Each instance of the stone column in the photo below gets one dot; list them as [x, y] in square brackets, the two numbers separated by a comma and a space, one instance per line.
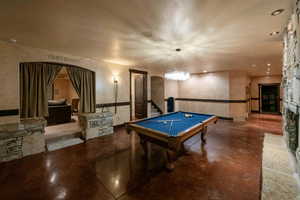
[96, 124]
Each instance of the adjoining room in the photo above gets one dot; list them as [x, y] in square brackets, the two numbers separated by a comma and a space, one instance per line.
[54, 91]
[150, 100]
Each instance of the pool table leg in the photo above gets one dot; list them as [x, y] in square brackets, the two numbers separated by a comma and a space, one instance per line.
[170, 164]
[146, 147]
[203, 134]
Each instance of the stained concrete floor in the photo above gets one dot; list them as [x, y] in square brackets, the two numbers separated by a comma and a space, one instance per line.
[227, 167]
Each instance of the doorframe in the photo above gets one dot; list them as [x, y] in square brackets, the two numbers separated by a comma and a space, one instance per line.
[259, 95]
[145, 74]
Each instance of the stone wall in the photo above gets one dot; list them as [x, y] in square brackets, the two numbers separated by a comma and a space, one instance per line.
[18, 140]
[291, 84]
[96, 124]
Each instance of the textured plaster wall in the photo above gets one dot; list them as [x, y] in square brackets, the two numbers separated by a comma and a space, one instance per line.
[220, 86]
[238, 82]
[205, 86]
[9, 87]
[12, 54]
[255, 81]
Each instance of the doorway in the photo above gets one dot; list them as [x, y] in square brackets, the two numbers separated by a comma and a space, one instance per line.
[157, 96]
[269, 98]
[138, 94]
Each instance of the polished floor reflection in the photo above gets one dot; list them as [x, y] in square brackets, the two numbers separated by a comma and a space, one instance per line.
[227, 167]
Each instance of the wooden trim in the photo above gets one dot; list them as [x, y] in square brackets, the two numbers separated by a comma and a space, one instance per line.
[127, 103]
[259, 96]
[197, 126]
[137, 71]
[139, 120]
[255, 98]
[225, 118]
[130, 95]
[255, 111]
[145, 89]
[119, 126]
[213, 100]
[10, 112]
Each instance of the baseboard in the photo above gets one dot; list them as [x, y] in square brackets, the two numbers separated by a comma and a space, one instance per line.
[225, 118]
[119, 126]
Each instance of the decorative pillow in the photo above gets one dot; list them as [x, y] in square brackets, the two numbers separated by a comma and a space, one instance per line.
[59, 102]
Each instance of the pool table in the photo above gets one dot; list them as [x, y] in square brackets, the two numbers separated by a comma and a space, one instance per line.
[170, 131]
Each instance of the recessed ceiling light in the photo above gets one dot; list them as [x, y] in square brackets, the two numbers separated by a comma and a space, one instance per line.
[269, 64]
[277, 12]
[274, 33]
[178, 49]
[204, 71]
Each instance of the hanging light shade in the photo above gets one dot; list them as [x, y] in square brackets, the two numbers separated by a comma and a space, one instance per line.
[176, 75]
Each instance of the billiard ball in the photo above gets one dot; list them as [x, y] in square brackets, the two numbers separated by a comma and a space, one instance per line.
[188, 115]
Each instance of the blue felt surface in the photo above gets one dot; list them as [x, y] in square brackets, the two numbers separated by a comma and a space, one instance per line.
[180, 123]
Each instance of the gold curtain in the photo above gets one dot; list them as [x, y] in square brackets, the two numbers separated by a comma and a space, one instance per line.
[35, 79]
[84, 83]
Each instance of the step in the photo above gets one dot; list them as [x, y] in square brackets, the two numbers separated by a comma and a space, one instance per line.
[62, 130]
[62, 143]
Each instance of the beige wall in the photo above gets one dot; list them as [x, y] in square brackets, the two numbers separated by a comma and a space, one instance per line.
[171, 90]
[9, 75]
[158, 91]
[205, 86]
[63, 89]
[215, 86]
[255, 81]
[238, 82]
[12, 54]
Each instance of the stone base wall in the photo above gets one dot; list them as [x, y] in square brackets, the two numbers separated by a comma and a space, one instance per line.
[291, 84]
[96, 124]
[18, 140]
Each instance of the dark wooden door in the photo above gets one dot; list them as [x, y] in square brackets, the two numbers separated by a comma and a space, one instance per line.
[270, 98]
[140, 103]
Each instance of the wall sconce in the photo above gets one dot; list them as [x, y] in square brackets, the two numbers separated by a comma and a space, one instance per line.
[115, 92]
[115, 79]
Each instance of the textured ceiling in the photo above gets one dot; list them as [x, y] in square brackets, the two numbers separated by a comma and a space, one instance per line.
[214, 35]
